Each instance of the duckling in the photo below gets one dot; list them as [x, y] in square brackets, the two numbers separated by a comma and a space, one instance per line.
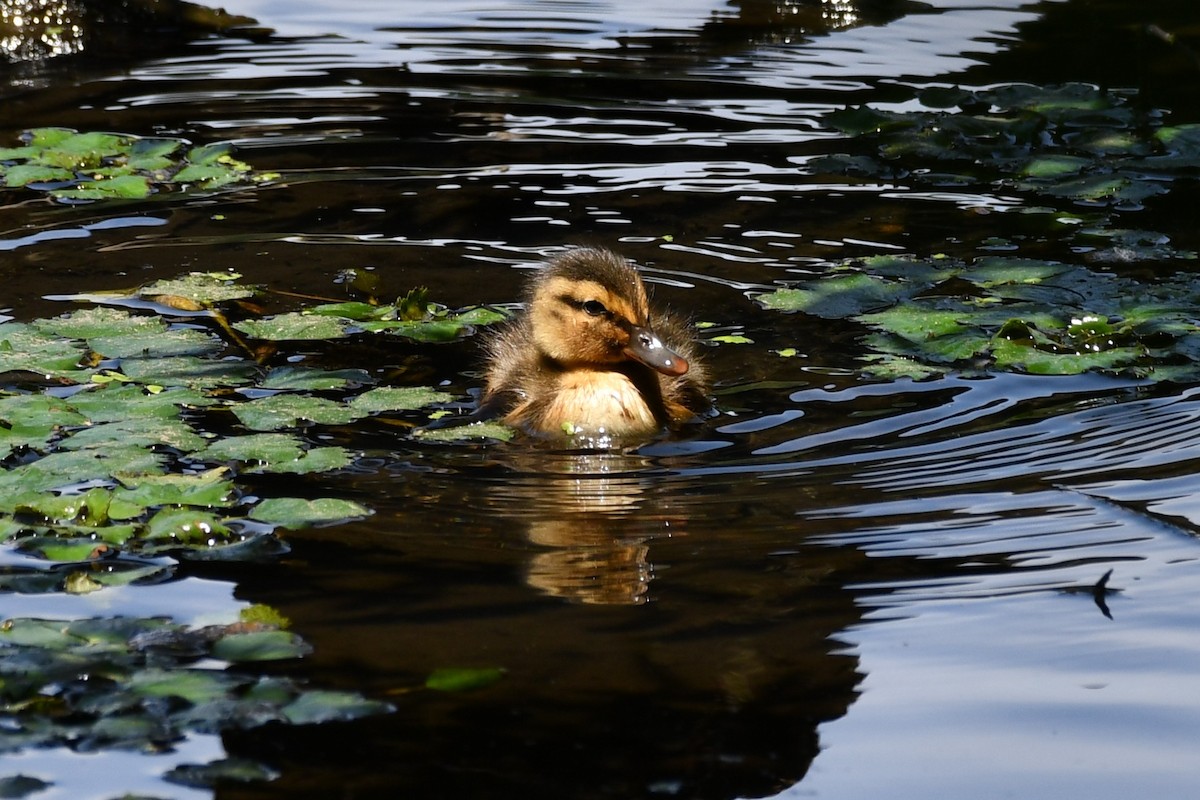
[587, 356]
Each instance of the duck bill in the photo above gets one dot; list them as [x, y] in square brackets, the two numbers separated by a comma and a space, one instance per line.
[646, 348]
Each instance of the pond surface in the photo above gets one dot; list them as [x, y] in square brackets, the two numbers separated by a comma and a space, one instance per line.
[839, 587]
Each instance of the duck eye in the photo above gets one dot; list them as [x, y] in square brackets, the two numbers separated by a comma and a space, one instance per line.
[595, 308]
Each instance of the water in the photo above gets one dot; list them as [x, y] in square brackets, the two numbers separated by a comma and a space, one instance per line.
[837, 588]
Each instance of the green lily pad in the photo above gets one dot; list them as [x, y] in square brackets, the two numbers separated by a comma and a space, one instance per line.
[261, 449]
[125, 187]
[461, 679]
[195, 686]
[91, 166]
[209, 776]
[294, 326]
[190, 371]
[397, 398]
[24, 348]
[140, 432]
[203, 288]
[293, 378]
[187, 526]
[165, 344]
[294, 512]
[325, 706]
[204, 490]
[280, 411]
[27, 174]
[115, 402]
[476, 430]
[837, 296]
[268, 645]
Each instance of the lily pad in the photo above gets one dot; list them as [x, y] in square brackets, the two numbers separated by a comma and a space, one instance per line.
[461, 679]
[397, 398]
[287, 411]
[101, 322]
[88, 166]
[296, 378]
[294, 326]
[325, 706]
[837, 296]
[265, 645]
[24, 348]
[475, 430]
[294, 512]
[202, 288]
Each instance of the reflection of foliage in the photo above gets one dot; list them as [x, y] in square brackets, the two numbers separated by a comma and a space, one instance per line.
[122, 459]
[1042, 317]
[1073, 142]
[74, 166]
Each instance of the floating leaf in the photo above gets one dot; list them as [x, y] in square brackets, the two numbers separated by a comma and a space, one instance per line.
[165, 344]
[318, 459]
[397, 398]
[208, 776]
[187, 526]
[326, 706]
[137, 432]
[190, 371]
[293, 378]
[204, 490]
[204, 288]
[293, 326]
[836, 297]
[260, 614]
[114, 403]
[294, 512]
[270, 645]
[18, 786]
[461, 679]
[126, 187]
[286, 411]
[477, 430]
[24, 348]
[195, 686]
[262, 448]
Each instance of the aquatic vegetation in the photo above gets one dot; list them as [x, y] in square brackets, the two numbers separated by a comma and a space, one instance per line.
[929, 316]
[74, 166]
[126, 435]
[412, 316]
[1076, 143]
[129, 440]
[145, 683]
[1073, 142]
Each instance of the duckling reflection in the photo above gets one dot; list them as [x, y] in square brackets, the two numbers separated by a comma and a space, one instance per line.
[588, 515]
[588, 357]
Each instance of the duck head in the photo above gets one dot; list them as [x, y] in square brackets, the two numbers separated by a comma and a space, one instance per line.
[588, 309]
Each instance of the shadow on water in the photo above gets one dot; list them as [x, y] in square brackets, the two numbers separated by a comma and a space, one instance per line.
[819, 591]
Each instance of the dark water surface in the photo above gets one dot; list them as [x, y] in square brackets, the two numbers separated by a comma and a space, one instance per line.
[838, 588]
